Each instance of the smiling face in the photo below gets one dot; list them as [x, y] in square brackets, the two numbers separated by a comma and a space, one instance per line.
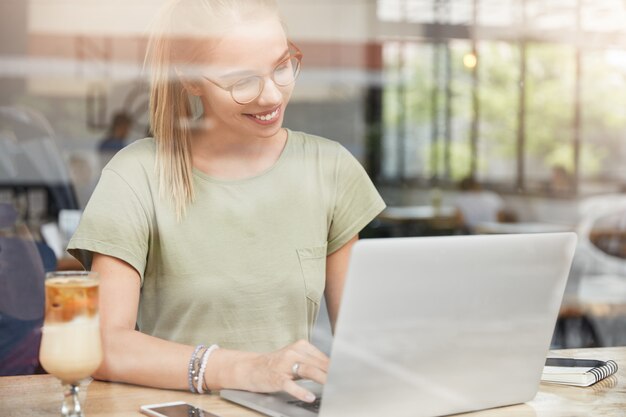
[248, 49]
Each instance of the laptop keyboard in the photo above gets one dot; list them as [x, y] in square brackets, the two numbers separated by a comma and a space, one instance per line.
[314, 406]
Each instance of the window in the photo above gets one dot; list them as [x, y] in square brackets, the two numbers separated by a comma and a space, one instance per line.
[603, 118]
[542, 97]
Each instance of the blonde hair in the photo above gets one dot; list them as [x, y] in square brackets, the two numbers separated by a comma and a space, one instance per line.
[177, 27]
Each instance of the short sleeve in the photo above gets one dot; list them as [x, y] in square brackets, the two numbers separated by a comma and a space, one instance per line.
[114, 223]
[356, 201]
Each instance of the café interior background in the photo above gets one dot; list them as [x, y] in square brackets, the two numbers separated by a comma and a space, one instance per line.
[423, 92]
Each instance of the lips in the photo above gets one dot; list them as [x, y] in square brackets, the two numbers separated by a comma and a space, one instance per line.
[267, 117]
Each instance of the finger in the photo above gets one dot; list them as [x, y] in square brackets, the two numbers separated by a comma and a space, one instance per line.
[304, 360]
[305, 348]
[322, 362]
[314, 373]
[298, 392]
[318, 355]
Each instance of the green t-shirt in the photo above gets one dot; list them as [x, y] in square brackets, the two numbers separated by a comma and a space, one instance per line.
[246, 267]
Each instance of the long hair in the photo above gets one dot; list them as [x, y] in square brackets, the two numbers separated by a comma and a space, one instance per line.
[179, 25]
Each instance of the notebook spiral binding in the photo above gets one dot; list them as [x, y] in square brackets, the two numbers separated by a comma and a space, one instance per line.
[601, 372]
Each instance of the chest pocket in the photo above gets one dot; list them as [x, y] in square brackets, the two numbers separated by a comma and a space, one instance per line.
[313, 264]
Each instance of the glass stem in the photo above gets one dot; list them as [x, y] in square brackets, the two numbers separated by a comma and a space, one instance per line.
[71, 405]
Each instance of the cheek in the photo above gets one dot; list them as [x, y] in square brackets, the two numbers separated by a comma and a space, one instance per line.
[221, 104]
[287, 94]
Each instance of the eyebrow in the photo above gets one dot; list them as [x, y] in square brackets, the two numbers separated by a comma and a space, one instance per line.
[245, 73]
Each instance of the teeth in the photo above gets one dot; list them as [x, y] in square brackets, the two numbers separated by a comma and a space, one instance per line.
[267, 117]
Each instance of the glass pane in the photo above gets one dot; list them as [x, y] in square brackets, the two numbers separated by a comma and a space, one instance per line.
[420, 11]
[550, 72]
[603, 15]
[498, 12]
[425, 11]
[603, 118]
[418, 73]
[551, 15]
[498, 70]
[451, 157]
[390, 10]
[461, 12]
[462, 113]
[418, 108]
[407, 109]
[437, 98]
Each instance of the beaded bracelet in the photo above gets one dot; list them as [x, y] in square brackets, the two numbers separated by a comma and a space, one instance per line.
[195, 372]
[205, 359]
[190, 371]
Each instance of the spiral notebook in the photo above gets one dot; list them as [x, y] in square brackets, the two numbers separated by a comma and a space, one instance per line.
[578, 372]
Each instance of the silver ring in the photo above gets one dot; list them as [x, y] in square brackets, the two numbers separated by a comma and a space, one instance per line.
[294, 370]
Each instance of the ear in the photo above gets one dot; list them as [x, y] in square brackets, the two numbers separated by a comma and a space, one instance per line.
[188, 84]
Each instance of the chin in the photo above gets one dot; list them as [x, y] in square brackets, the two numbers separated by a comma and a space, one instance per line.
[267, 131]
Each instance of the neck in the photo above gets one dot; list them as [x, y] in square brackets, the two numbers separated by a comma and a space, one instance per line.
[231, 156]
[227, 144]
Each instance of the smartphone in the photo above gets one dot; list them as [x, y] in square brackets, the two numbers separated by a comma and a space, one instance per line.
[175, 409]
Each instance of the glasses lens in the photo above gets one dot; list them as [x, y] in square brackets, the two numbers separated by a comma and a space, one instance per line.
[287, 71]
[247, 89]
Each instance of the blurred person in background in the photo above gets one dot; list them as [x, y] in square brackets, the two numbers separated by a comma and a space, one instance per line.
[115, 138]
[561, 182]
[82, 177]
[479, 206]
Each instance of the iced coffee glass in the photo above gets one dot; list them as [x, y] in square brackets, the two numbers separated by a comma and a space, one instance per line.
[70, 343]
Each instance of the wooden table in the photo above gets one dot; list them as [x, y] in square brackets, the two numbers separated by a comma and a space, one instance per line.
[40, 395]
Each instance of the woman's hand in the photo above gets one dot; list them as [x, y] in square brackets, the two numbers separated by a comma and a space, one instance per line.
[271, 372]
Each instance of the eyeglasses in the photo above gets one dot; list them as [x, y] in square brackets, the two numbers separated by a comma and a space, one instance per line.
[285, 73]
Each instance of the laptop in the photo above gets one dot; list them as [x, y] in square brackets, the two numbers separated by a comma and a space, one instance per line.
[436, 326]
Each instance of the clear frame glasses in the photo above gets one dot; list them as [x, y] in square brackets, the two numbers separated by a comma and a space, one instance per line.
[284, 74]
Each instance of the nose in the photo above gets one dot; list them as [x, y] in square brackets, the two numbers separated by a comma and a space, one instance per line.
[270, 94]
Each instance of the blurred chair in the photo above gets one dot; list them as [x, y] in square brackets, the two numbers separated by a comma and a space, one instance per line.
[21, 296]
[35, 186]
[602, 236]
[597, 285]
[30, 160]
[479, 206]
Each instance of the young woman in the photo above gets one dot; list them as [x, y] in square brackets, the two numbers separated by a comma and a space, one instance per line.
[225, 229]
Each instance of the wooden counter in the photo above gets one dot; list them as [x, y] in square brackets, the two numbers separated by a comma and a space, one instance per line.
[40, 395]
